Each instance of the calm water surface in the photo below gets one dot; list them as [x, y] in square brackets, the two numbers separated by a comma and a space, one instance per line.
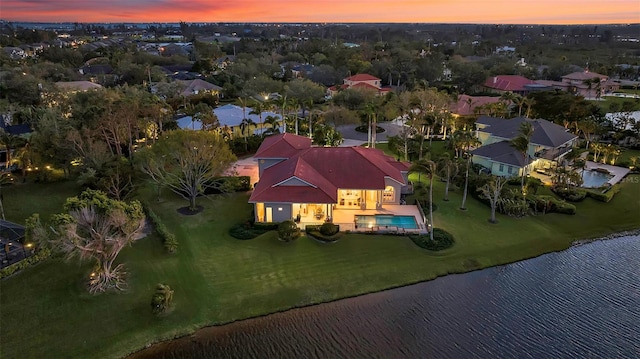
[580, 303]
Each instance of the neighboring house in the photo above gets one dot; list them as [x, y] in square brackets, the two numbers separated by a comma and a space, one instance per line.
[230, 119]
[197, 86]
[224, 61]
[317, 184]
[466, 105]
[360, 81]
[583, 83]
[14, 53]
[77, 86]
[302, 70]
[96, 70]
[548, 144]
[588, 84]
[508, 83]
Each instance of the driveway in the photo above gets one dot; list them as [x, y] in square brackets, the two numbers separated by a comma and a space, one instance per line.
[350, 134]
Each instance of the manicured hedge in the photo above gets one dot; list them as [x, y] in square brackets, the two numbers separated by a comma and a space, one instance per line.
[548, 204]
[169, 239]
[250, 230]
[441, 240]
[327, 232]
[39, 256]
[604, 196]
[570, 194]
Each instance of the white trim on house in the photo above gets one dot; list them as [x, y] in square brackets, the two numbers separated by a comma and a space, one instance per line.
[294, 177]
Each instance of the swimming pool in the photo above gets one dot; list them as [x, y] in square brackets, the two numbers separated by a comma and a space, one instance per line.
[407, 222]
[594, 179]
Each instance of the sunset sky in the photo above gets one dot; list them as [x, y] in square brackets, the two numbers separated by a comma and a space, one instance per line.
[430, 11]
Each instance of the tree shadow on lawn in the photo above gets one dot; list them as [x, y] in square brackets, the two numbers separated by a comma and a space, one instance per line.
[186, 211]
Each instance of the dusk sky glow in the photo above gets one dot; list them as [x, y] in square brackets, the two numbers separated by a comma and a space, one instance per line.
[423, 11]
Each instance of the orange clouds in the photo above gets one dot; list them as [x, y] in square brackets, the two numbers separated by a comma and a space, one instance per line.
[434, 11]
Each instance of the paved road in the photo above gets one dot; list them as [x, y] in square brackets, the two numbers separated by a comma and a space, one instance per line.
[349, 132]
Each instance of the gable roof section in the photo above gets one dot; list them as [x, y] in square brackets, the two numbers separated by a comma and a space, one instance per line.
[501, 152]
[545, 133]
[549, 134]
[362, 77]
[466, 104]
[325, 169]
[283, 145]
[77, 85]
[194, 86]
[584, 75]
[507, 82]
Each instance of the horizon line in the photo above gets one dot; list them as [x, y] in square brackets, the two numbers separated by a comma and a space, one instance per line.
[322, 22]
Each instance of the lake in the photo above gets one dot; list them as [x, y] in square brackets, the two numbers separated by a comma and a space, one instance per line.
[580, 303]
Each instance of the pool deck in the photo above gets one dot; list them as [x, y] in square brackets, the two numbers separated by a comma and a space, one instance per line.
[346, 218]
[617, 172]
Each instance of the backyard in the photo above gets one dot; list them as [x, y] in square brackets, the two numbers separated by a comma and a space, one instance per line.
[46, 312]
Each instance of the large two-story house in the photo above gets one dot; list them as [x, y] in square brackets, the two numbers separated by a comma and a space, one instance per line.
[548, 144]
[361, 81]
[317, 184]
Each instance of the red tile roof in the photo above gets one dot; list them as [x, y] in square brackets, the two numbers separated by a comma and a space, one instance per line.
[283, 145]
[325, 169]
[362, 77]
[466, 104]
[507, 82]
[584, 75]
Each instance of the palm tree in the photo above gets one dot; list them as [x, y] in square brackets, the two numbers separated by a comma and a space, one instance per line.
[295, 105]
[258, 108]
[589, 83]
[11, 142]
[427, 167]
[467, 140]
[521, 144]
[448, 168]
[282, 104]
[246, 125]
[272, 121]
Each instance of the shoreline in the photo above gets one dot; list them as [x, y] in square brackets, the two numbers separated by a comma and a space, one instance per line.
[576, 243]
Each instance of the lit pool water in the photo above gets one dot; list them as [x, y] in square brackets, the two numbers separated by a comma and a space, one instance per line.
[407, 222]
[594, 179]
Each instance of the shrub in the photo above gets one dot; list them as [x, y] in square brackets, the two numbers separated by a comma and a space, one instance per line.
[288, 231]
[604, 195]
[570, 194]
[169, 239]
[162, 299]
[564, 208]
[316, 232]
[250, 230]
[441, 240]
[329, 229]
[548, 204]
[25, 263]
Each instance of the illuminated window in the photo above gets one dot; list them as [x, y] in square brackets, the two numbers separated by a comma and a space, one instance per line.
[389, 194]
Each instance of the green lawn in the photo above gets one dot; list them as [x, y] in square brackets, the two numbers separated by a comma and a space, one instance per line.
[606, 101]
[45, 311]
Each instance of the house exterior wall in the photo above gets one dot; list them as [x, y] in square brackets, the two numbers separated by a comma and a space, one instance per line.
[502, 169]
[375, 83]
[397, 189]
[279, 211]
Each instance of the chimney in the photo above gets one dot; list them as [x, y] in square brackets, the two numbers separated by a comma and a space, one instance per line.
[495, 79]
